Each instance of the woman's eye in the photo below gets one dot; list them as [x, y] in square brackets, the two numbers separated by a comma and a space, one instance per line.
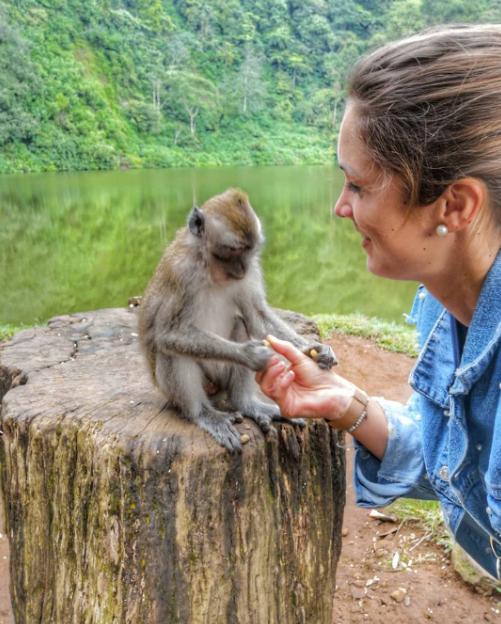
[354, 188]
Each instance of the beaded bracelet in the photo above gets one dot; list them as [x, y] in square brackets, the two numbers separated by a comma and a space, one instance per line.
[358, 422]
[355, 417]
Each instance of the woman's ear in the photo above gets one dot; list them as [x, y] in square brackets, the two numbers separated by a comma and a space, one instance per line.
[461, 203]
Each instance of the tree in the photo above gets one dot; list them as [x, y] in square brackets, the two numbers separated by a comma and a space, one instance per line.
[321, 107]
[404, 17]
[179, 49]
[249, 85]
[193, 94]
[19, 86]
[352, 16]
[200, 15]
[446, 11]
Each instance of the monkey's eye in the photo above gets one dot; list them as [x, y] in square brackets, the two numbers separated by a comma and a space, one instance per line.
[236, 250]
[220, 258]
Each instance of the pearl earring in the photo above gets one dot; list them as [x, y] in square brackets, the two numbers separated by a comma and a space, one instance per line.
[442, 230]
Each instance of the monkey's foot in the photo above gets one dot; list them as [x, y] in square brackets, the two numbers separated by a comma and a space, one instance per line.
[219, 425]
[261, 413]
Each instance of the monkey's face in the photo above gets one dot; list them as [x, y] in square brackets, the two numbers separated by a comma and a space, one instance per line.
[229, 262]
[231, 248]
[229, 235]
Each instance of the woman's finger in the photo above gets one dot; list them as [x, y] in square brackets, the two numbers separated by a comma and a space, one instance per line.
[270, 375]
[278, 390]
[287, 349]
[262, 373]
[286, 379]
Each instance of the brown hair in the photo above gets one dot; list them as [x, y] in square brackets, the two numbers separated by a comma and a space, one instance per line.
[430, 109]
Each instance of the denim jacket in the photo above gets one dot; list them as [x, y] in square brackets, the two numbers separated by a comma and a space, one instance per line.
[445, 443]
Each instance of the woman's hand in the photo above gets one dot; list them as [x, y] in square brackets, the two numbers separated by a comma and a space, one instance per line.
[300, 387]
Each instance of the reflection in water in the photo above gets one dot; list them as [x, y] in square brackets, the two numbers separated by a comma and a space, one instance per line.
[75, 242]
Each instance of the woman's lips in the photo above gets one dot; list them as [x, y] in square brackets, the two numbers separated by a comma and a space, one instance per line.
[365, 239]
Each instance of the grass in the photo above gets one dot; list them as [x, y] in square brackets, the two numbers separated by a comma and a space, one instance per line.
[7, 331]
[427, 514]
[389, 335]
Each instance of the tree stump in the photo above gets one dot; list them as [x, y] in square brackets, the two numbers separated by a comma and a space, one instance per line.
[119, 511]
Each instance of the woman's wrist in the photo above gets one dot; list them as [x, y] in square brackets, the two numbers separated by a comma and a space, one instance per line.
[373, 432]
[365, 419]
[356, 413]
[353, 414]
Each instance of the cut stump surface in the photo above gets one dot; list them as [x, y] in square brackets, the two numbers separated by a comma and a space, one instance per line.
[119, 511]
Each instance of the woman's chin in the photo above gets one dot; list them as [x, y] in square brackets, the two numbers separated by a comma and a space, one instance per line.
[373, 268]
[380, 269]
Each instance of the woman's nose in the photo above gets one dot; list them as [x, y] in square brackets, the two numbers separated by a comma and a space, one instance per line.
[342, 208]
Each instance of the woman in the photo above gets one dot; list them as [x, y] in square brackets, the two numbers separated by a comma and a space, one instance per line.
[420, 148]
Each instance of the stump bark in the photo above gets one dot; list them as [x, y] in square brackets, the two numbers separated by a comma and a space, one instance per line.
[119, 511]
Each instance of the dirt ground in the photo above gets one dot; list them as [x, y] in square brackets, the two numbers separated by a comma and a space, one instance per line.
[373, 583]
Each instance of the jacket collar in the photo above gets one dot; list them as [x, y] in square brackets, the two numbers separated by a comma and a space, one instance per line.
[437, 371]
[434, 370]
[484, 333]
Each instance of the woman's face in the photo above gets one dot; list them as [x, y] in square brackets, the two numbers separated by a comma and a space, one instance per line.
[398, 241]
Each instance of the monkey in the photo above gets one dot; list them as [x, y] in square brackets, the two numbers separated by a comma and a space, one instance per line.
[204, 315]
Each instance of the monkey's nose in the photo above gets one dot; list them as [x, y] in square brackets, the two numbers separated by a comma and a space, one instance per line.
[237, 275]
[237, 271]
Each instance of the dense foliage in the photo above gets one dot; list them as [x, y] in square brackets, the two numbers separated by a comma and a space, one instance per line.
[128, 83]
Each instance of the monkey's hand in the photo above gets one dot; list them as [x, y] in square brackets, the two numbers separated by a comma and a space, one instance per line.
[322, 354]
[256, 355]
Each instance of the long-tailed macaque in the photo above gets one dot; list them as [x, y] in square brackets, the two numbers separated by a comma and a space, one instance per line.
[204, 316]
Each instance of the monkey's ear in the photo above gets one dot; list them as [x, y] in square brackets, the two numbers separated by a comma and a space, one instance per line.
[196, 221]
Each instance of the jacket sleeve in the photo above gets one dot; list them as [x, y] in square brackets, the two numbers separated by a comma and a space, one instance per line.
[401, 472]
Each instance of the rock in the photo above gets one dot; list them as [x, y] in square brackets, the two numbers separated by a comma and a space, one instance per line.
[358, 583]
[357, 592]
[133, 302]
[395, 560]
[399, 594]
[375, 514]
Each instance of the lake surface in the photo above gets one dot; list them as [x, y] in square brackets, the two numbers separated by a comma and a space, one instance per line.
[79, 241]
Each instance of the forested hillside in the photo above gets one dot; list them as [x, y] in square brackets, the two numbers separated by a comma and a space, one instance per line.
[155, 83]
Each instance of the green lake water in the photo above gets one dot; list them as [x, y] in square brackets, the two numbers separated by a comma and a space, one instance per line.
[79, 241]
